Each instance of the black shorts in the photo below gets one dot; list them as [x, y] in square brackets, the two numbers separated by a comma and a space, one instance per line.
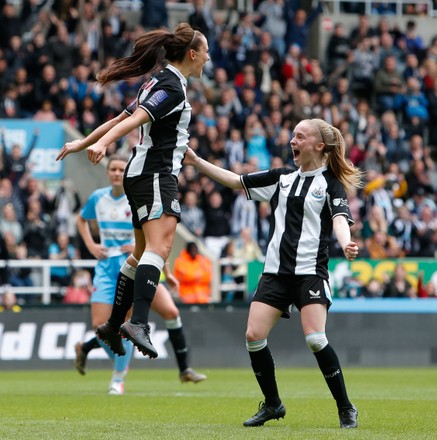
[152, 195]
[283, 291]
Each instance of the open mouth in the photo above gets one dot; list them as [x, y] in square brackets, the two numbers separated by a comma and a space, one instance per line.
[296, 153]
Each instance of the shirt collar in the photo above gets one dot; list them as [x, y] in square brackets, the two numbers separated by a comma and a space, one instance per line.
[312, 173]
[178, 74]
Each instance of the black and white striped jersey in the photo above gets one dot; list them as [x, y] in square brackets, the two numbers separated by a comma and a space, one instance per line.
[164, 141]
[303, 205]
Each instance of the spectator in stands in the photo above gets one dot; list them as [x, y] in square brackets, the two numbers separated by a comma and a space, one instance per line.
[193, 272]
[192, 216]
[10, 24]
[217, 221]
[62, 249]
[80, 289]
[426, 232]
[414, 41]
[263, 225]
[45, 113]
[373, 289]
[374, 222]
[244, 216]
[362, 64]
[9, 302]
[21, 276]
[381, 246]
[414, 107]
[404, 230]
[65, 206]
[10, 104]
[9, 194]
[299, 24]
[337, 50]
[397, 150]
[361, 31]
[247, 250]
[432, 108]
[388, 86]
[398, 286]
[37, 230]
[10, 224]
[16, 159]
[154, 14]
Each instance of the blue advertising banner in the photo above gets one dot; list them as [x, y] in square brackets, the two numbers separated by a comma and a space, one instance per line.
[49, 140]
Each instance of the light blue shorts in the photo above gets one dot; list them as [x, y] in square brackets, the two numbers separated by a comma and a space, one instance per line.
[105, 279]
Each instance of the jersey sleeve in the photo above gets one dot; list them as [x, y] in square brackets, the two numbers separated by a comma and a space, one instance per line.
[131, 107]
[338, 201]
[162, 101]
[261, 185]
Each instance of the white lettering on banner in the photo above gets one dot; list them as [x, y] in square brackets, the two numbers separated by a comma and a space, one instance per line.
[57, 341]
[18, 345]
[50, 334]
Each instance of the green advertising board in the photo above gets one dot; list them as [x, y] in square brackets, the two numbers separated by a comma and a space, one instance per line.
[362, 269]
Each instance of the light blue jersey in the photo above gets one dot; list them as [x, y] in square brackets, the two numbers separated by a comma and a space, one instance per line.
[114, 219]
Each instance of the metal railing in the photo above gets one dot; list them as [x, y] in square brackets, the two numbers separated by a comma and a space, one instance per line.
[45, 288]
[335, 6]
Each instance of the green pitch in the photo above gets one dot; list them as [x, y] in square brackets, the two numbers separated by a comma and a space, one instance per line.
[52, 405]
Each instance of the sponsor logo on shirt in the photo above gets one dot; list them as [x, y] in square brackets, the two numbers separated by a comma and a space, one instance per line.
[157, 98]
[339, 202]
[175, 206]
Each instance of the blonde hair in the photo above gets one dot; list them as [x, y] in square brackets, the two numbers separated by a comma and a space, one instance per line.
[349, 175]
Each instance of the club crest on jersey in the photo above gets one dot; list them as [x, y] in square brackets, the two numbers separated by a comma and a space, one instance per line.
[318, 193]
[339, 202]
[175, 206]
[157, 98]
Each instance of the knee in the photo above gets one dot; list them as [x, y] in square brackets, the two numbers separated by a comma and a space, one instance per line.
[316, 341]
[170, 313]
[253, 335]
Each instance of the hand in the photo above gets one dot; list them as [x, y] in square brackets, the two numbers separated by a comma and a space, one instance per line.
[190, 157]
[69, 147]
[351, 251]
[98, 251]
[96, 153]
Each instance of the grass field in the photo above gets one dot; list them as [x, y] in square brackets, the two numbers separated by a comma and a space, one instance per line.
[52, 405]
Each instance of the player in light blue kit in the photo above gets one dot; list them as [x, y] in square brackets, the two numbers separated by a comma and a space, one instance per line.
[109, 207]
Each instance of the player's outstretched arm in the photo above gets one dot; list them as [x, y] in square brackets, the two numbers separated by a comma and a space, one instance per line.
[80, 144]
[225, 177]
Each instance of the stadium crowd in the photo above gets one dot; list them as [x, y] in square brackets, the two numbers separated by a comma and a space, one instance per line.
[378, 85]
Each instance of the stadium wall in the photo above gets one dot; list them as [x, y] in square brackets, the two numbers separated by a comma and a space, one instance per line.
[369, 333]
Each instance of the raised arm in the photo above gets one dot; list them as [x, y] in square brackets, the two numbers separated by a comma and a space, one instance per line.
[225, 177]
[97, 151]
[80, 144]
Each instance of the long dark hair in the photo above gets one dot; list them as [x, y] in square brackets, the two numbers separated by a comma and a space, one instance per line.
[151, 50]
